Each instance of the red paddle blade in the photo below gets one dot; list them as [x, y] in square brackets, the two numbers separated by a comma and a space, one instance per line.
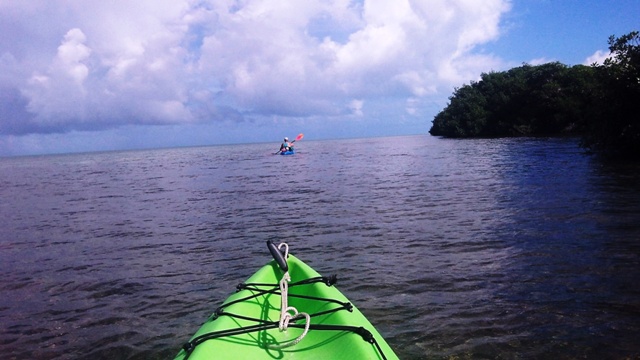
[299, 137]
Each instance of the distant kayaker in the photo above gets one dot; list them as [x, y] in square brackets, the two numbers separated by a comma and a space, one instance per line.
[286, 148]
[286, 145]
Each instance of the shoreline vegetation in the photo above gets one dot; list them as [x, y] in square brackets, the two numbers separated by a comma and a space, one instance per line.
[599, 103]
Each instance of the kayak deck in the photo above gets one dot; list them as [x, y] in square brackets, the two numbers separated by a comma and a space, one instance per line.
[246, 325]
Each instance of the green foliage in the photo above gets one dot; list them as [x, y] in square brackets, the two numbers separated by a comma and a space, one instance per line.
[600, 102]
[614, 125]
[527, 100]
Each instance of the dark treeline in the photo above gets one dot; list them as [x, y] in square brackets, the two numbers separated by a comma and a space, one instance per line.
[601, 103]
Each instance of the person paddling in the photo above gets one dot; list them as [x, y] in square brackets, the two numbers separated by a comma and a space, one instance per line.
[288, 146]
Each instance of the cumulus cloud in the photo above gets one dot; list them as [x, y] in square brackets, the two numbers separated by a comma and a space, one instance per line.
[95, 64]
[60, 92]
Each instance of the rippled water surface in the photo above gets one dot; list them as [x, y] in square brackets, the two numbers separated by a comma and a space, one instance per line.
[518, 248]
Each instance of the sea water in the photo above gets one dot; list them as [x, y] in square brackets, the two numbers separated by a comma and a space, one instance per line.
[493, 248]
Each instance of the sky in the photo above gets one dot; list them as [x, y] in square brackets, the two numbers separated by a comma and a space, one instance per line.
[95, 75]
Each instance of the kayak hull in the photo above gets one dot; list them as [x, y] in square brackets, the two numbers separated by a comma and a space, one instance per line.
[290, 152]
[321, 340]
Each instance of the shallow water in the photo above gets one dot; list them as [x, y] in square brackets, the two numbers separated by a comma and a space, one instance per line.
[514, 248]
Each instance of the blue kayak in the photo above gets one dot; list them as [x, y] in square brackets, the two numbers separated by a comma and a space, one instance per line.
[290, 152]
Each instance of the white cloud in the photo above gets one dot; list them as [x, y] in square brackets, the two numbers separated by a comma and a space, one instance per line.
[539, 61]
[103, 64]
[60, 92]
[598, 57]
[411, 107]
[71, 55]
[356, 107]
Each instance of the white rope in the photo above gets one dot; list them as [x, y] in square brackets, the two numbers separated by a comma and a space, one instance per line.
[287, 313]
[286, 250]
